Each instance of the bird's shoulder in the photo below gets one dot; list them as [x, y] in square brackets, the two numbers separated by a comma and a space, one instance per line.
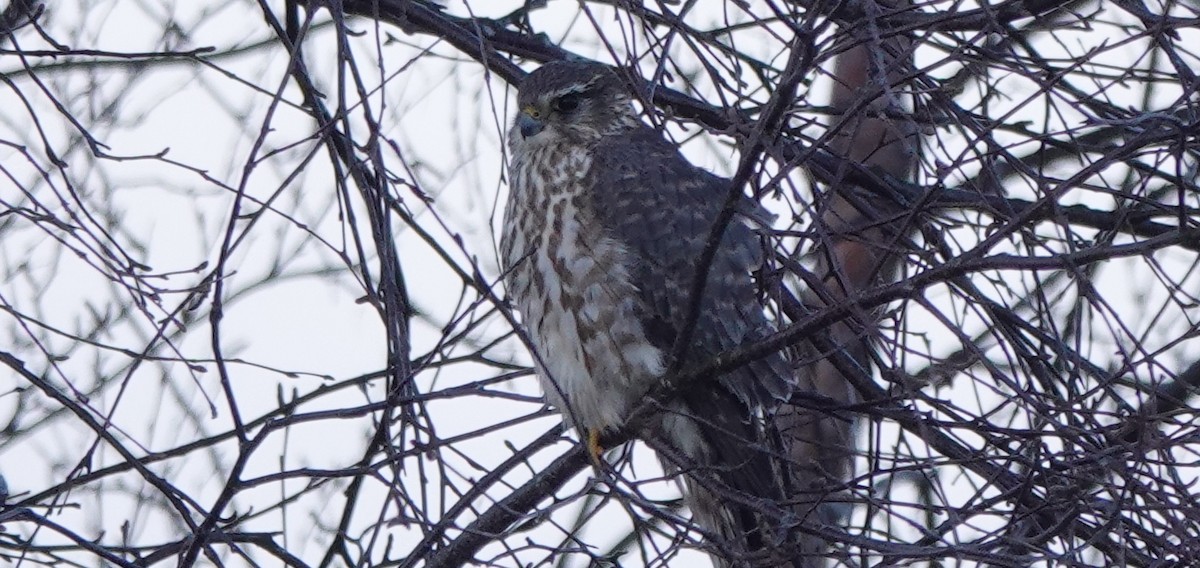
[640, 182]
[643, 189]
[642, 157]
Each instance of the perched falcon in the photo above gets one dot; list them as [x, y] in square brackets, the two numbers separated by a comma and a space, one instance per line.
[602, 238]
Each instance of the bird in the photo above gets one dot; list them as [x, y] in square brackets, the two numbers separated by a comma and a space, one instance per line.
[601, 243]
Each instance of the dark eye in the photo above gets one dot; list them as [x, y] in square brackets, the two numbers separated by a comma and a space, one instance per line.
[567, 103]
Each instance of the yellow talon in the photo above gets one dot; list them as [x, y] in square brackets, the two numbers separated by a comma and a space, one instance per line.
[594, 449]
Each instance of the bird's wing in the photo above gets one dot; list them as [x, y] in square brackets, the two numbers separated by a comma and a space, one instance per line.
[662, 209]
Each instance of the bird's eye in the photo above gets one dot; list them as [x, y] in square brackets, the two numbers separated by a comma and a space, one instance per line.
[567, 103]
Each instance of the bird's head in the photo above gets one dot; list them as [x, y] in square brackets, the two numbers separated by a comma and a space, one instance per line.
[571, 101]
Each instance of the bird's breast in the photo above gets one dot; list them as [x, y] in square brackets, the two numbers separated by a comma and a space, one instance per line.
[572, 284]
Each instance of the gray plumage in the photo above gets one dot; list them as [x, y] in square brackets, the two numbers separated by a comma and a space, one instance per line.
[604, 229]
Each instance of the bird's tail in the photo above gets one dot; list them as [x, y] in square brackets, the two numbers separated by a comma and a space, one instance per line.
[736, 482]
[760, 485]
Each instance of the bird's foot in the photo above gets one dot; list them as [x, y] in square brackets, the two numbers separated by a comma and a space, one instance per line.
[594, 449]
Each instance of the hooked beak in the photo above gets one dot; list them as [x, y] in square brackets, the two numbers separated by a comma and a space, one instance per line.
[529, 125]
